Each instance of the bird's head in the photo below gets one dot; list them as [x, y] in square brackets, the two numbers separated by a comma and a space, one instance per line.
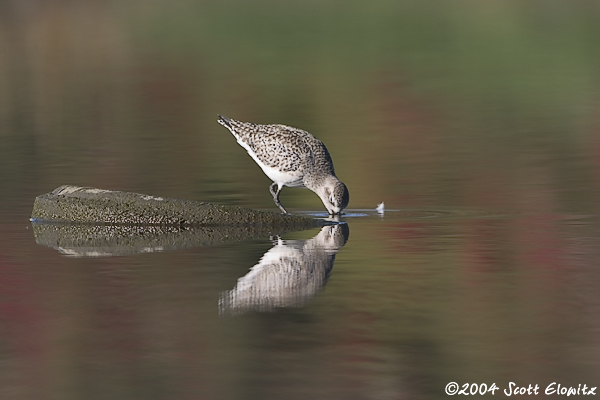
[334, 195]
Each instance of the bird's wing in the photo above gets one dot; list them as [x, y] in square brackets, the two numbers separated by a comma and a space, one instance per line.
[279, 146]
[276, 146]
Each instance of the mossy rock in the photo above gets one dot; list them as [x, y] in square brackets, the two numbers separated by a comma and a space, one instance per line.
[74, 204]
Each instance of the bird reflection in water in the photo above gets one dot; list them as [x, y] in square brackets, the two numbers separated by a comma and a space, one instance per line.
[288, 275]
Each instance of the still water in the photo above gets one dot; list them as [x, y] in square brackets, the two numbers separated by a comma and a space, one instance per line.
[477, 125]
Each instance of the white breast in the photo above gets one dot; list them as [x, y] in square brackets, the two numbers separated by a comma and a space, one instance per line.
[287, 178]
[292, 179]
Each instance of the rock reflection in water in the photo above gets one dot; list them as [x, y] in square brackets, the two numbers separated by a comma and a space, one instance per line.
[289, 274]
[87, 240]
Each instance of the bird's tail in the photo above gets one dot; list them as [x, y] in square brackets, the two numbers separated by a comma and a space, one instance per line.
[239, 129]
[226, 122]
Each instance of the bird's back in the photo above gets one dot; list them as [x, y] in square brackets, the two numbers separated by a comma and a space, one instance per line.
[282, 147]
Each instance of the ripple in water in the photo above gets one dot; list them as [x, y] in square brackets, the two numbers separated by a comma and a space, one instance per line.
[410, 214]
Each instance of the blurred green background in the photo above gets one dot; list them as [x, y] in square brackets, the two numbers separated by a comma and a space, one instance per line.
[420, 103]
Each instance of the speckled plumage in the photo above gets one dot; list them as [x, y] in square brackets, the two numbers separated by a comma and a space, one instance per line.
[291, 157]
